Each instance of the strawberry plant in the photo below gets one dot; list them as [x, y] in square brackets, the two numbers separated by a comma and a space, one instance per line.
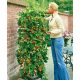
[32, 44]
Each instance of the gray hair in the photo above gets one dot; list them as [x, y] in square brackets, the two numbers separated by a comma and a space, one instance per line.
[53, 5]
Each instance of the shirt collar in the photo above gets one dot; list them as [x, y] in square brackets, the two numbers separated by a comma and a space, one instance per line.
[54, 14]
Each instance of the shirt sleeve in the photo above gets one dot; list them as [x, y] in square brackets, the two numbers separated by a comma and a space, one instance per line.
[60, 26]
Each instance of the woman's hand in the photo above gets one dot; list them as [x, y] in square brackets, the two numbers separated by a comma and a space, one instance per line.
[49, 33]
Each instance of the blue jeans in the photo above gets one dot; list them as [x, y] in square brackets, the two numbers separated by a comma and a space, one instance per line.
[60, 71]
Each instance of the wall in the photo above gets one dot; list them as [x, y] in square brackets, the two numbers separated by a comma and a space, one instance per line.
[12, 10]
[70, 24]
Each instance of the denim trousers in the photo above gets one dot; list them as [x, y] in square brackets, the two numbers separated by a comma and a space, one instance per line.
[60, 70]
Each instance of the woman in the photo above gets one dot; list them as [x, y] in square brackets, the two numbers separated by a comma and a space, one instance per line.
[56, 30]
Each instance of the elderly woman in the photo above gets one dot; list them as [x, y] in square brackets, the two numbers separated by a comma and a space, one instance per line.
[56, 29]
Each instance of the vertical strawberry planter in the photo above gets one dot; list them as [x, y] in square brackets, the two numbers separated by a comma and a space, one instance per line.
[32, 45]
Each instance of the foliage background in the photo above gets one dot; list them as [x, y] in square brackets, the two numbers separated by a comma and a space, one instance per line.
[64, 5]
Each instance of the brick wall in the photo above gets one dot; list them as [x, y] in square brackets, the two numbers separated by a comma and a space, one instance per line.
[70, 25]
[12, 10]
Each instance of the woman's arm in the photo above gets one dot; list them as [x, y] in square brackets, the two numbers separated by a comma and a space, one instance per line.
[48, 18]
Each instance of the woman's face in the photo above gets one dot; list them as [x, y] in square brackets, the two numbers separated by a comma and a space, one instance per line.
[50, 10]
